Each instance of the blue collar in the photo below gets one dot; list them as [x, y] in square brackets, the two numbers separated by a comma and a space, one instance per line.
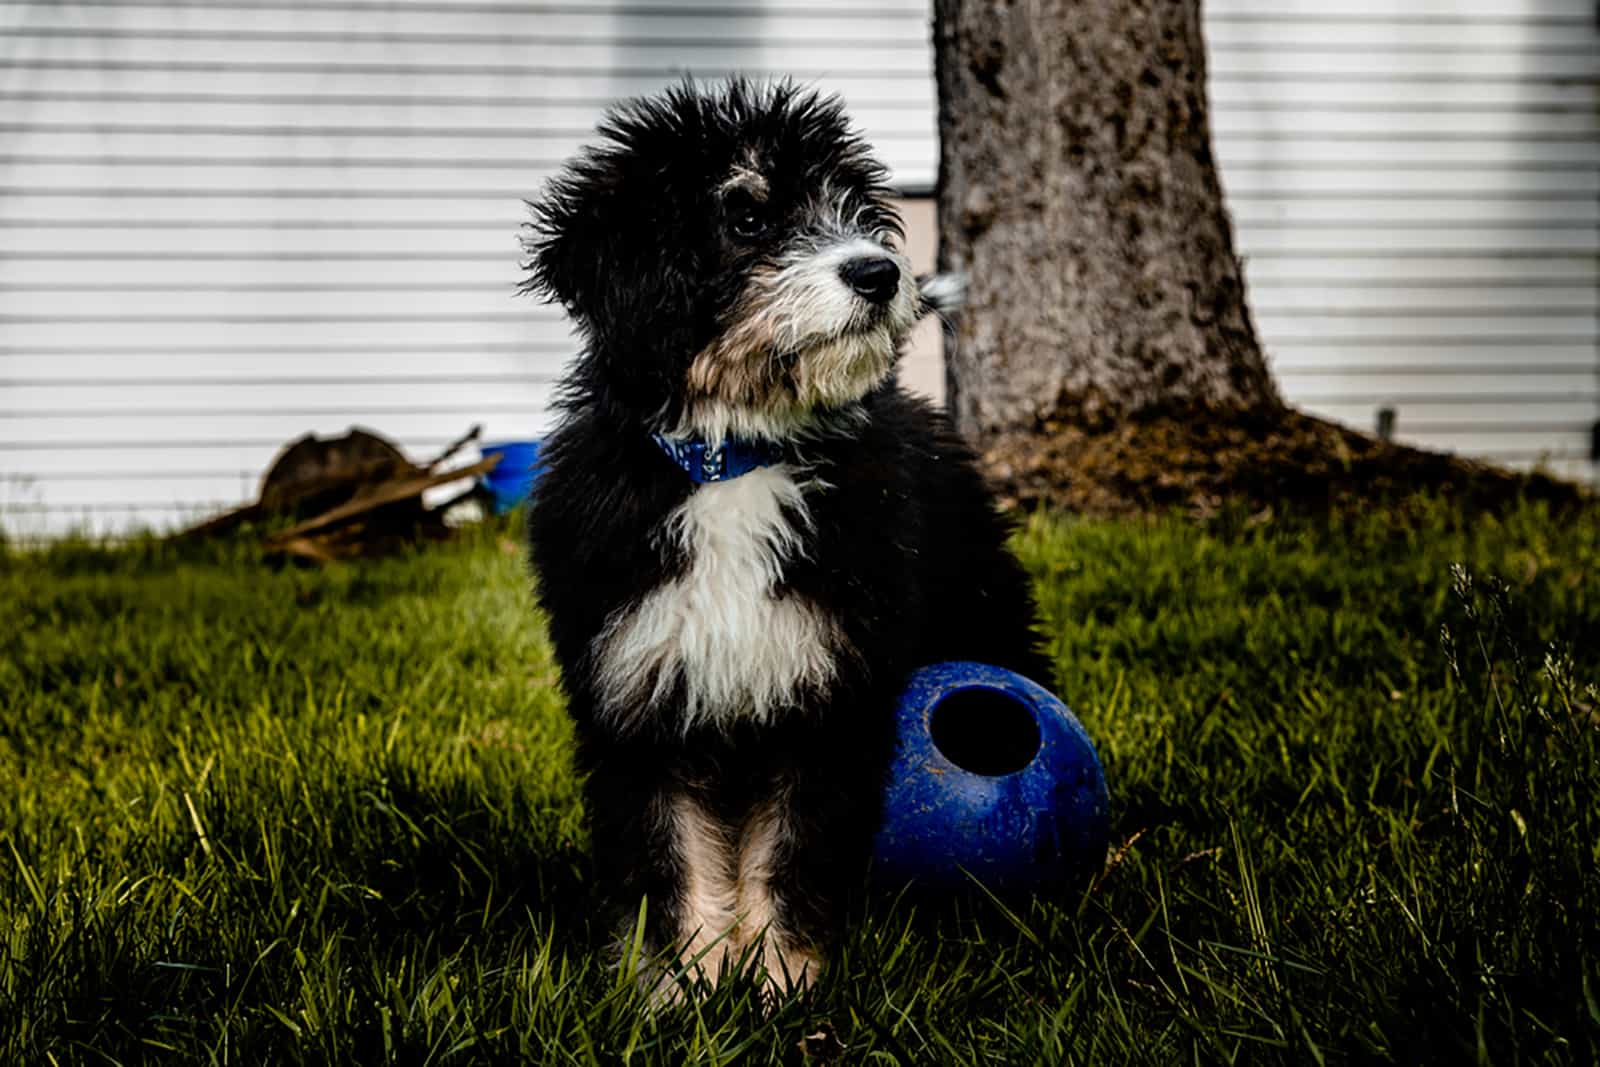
[720, 462]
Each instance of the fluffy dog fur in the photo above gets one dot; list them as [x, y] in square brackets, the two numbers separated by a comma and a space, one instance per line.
[732, 651]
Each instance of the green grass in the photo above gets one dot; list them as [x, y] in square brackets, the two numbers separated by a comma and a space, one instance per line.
[326, 817]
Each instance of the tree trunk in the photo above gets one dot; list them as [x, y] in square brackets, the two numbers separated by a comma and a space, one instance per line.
[1079, 194]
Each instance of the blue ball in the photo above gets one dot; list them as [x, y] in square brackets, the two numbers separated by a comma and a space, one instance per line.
[994, 776]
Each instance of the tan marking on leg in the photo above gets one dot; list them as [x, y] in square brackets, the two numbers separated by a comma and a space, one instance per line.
[786, 965]
[707, 938]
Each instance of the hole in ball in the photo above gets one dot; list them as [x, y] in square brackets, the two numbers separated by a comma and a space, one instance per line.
[984, 731]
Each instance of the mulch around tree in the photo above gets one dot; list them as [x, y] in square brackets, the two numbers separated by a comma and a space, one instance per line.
[1204, 465]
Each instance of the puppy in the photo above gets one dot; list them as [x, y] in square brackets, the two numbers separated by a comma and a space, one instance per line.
[746, 535]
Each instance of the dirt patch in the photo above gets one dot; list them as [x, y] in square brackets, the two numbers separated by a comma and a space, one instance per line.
[1203, 464]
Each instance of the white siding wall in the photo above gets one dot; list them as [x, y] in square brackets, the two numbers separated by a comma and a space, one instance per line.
[1416, 186]
[224, 224]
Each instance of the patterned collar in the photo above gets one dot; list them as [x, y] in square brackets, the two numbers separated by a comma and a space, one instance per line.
[705, 462]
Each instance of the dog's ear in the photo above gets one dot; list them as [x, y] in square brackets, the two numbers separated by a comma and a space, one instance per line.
[565, 242]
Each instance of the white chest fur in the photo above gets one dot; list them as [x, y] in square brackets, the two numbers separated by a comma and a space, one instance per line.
[741, 650]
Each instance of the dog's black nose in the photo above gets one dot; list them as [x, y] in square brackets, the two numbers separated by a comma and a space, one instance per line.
[875, 277]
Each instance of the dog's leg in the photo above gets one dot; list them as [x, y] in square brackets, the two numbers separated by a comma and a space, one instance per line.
[706, 897]
[630, 833]
[767, 843]
[656, 842]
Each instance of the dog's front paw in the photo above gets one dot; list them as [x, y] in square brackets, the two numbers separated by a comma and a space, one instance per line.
[668, 983]
[786, 969]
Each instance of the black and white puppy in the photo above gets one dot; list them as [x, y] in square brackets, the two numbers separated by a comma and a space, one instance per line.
[746, 535]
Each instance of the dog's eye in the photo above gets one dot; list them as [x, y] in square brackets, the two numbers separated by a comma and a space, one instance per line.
[748, 222]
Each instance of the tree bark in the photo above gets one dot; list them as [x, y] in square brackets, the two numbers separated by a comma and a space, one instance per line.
[1079, 194]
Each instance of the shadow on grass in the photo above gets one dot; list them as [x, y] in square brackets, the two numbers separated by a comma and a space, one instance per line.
[269, 933]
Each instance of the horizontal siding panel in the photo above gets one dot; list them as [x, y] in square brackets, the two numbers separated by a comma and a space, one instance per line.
[1382, 96]
[1292, 150]
[435, 331]
[1466, 346]
[1569, 462]
[1515, 414]
[308, 119]
[172, 488]
[530, 149]
[1465, 10]
[1580, 383]
[58, 210]
[1353, 240]
[890, 17]
[1460, 41]
[1409, 183]
[1574, 391]
[524, 81]
[427, 326]
[1524, 447]
[833, 9]
[101, 521]
[1519, 194]
[1516, 125]
[374, 305]
[135, 356]
[1464, 354]
[492, 101]
[1264, 49]
[520, 26]
[1329, 328]
[354, 53]
[499, 271]
[178, 490]
[424, 56]
[747, 28]
[267, 338]
[401, 304]
[312, 368]
[539, 148]
[1468, 269]
[53, 209]
[1548, 395]
[1573, 466]
[1444, 361]
[228, 425]
[1571, 212]
[496, 271]
[1577, 13]
[139, 459]
[1401, 64]
[28, 402]
[113, 242]
[514, 180]
[32, 467]
[511, 178]
[1357, 299]
[503, 88]
[144, 125]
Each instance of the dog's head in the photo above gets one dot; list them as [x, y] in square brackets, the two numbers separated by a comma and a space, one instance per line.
[731, 258]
